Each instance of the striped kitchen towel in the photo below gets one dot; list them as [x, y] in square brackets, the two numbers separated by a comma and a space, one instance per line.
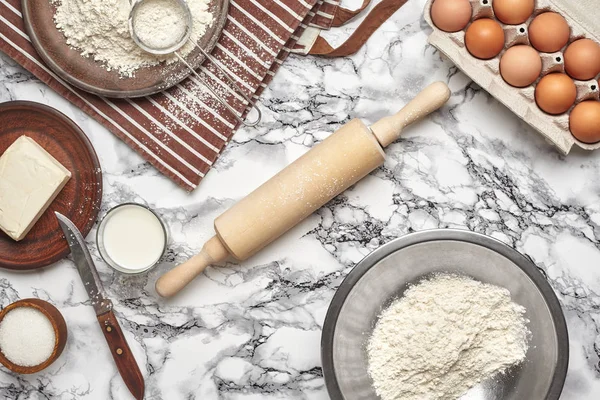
[329, 13]
[182, 131]
[324, 13]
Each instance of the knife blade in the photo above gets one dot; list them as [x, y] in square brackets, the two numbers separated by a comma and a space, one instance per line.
[126, 364]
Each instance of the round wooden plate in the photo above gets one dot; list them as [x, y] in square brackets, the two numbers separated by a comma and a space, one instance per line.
[90, 75]
[79, 200]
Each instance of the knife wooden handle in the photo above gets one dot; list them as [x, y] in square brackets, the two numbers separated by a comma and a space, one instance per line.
[126, 364]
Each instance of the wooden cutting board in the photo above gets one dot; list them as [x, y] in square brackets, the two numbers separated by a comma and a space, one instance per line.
[79, 200]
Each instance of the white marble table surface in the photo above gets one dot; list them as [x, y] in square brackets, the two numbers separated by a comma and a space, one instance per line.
[252, 330]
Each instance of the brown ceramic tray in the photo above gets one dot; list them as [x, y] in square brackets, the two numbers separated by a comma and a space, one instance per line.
[90, 75]
[79, 200]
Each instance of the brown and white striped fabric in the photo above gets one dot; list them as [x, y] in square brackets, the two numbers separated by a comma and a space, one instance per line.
[182, 131]
[329, 14]
[324, 13]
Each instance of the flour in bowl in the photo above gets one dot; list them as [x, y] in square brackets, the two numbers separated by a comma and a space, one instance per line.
[444, 336]
[100, 29]
[168, 14]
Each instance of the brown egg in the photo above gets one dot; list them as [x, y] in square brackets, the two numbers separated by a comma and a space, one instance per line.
[484, 38]
[555, 93]
[549, 32]
[585, 121]
[451, 15]
[582, 59]
[513, 12]
[520, 66]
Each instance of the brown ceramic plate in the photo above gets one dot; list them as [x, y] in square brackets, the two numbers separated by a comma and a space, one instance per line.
[79, 200]
[90, 75]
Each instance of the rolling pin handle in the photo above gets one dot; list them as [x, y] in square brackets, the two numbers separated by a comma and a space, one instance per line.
[176, 279]
[388, 129]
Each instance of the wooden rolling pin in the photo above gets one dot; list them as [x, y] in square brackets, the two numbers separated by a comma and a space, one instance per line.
[297, 191]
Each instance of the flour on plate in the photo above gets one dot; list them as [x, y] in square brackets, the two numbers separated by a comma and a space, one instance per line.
[444, 336]
[100, 29]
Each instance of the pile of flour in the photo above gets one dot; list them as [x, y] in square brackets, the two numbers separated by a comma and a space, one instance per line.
[100, 29]
[444, 336]
[168, 14]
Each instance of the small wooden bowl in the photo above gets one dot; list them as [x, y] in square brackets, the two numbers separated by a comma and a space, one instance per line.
[60, 333]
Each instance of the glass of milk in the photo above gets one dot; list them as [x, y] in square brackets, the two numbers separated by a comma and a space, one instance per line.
[132, 238]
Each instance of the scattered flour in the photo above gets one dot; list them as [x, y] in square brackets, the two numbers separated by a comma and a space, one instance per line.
[444, 336]
[100, 29]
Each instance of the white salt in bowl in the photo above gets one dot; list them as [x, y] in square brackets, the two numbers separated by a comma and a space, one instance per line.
[59, 328]
[384, 275]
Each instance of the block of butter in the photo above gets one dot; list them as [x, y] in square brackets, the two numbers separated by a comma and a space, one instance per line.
[30, 179]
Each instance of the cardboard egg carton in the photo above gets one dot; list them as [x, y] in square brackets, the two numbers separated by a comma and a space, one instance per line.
[582, 16]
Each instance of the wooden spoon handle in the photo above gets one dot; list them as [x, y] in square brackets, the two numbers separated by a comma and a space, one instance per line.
[176, 279]
[388, 129]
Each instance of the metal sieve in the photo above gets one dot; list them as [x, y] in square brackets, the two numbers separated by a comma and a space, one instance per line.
[173, 49]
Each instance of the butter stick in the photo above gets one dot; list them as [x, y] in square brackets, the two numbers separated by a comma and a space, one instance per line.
[30, 179]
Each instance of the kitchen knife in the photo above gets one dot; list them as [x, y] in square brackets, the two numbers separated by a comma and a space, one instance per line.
[126, 364]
